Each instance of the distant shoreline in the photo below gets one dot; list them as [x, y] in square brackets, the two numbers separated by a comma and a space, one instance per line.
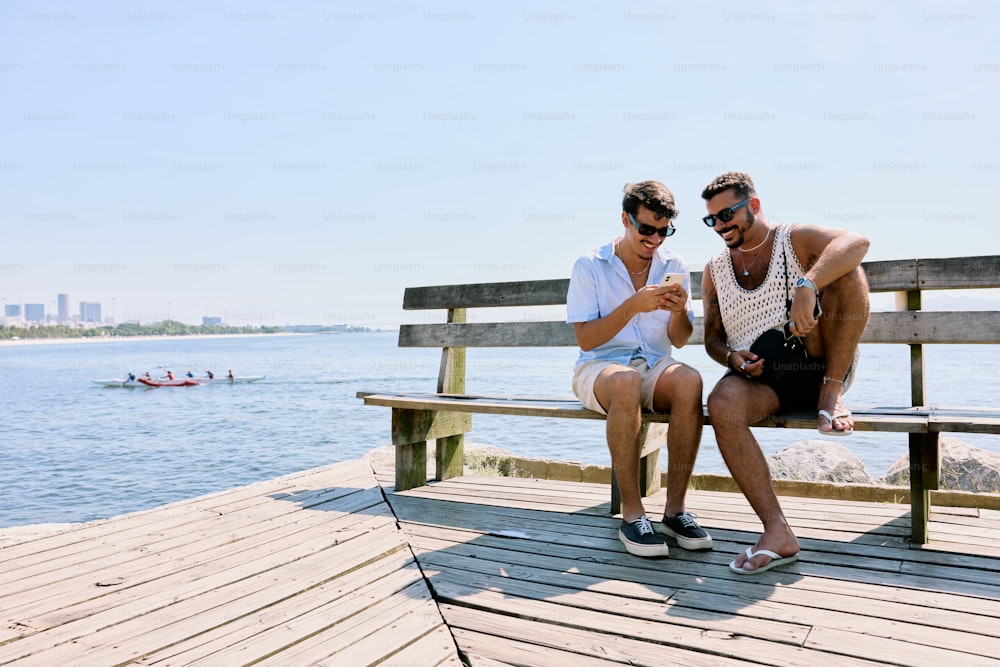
[118, 339]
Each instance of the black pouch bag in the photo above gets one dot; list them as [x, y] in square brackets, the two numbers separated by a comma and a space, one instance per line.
[783, 352]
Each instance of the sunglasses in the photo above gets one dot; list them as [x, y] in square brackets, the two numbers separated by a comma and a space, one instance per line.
[649, 230]
[726, 214]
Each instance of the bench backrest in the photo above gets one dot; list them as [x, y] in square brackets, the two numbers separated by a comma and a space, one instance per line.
[907, 325]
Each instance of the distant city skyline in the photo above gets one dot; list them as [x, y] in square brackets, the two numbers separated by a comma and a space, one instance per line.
[89, 312]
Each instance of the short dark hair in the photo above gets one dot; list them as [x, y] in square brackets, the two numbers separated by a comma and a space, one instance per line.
[653, 195]
[735, 180]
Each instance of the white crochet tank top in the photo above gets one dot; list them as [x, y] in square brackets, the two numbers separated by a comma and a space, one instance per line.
[746, 314]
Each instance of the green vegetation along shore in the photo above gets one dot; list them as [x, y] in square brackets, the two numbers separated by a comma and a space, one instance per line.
[127, 329]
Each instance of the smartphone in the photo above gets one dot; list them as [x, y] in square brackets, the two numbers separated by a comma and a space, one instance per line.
[672, 279]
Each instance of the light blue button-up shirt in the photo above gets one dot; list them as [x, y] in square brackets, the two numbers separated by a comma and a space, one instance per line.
[600, 283]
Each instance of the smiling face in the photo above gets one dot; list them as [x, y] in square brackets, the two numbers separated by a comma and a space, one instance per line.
[643, 246]
[740, 229]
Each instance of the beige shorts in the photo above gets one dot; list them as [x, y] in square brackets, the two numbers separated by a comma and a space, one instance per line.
[585, 374]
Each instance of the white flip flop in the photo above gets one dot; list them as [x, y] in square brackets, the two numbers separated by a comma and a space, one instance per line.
[830, 418]
[776, 560]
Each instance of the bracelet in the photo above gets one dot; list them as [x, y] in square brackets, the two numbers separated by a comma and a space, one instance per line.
[829, 379]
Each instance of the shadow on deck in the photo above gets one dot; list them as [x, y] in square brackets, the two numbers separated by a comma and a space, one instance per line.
[313, 568]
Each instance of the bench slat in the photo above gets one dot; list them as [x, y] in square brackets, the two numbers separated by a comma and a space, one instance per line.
[486, 295]
[965, 420]
[883, 327]
[882, 419]
[883, 276]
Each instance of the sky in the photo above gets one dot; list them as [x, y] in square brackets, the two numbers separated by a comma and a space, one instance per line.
[304, 162]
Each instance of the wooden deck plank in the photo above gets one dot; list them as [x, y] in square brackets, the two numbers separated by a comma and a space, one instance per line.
[560, 619]
[906, 624]
[372, 627]
[176, 517]
[852, 578]
[433, 649]
[261, 547]
[861, 645]
[259, 597]
[219, 578]
[678, 573]
[477, 633]
[282, 623]
[147, 531]
[168, 599]
[154, 560]
[316, 568]
[407, 631]
[644, 605]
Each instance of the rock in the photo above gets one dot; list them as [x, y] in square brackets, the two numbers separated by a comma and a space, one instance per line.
[818, 461]
[963, 468]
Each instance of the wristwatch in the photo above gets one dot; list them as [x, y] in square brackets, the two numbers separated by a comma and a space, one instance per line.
[805, 282]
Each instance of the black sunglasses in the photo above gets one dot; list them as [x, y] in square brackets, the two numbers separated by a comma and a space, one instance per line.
[649, 230]
[725, 214]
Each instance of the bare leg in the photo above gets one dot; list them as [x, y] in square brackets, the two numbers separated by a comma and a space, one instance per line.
[733, 405]
[618, 389]
[845, 314]
[678, 390]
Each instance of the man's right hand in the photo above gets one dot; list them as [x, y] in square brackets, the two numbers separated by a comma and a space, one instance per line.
[747, 363]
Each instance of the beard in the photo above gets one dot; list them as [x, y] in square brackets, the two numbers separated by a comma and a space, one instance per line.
[740, 237]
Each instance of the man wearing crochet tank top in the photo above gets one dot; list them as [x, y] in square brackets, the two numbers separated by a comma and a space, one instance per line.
[745, 290]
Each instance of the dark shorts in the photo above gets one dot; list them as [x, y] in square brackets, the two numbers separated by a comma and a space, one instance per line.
[799, 391]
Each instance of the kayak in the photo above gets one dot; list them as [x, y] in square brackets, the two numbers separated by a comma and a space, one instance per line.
[179, 382]
[235, 380]
[117, 382]
[176, 382]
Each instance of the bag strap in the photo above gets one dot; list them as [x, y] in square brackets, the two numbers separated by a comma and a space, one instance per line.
[788, 300]
[788, 296]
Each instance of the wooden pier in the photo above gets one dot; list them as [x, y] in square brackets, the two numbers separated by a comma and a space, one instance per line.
[321, 568]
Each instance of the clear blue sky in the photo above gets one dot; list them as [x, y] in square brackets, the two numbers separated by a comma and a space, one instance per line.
[303, 162]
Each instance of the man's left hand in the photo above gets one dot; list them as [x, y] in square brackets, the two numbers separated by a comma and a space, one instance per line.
[802, 319]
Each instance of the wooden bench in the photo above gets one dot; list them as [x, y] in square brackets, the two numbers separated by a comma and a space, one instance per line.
[445, 414]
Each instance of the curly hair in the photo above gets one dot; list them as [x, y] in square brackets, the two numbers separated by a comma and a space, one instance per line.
[735, 180]
[653, 195]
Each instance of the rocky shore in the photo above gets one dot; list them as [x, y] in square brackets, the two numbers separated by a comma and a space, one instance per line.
[963, 468]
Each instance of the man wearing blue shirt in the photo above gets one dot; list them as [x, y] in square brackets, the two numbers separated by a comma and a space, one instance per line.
[626, 325]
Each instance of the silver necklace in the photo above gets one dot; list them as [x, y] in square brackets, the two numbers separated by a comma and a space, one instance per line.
[634, 273]
[746, 269]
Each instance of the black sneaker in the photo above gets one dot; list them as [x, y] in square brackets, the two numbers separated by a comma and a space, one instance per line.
[640, 539]
[689, 535]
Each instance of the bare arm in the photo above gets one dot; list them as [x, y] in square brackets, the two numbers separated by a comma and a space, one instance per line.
[716, 343]
[827, 254]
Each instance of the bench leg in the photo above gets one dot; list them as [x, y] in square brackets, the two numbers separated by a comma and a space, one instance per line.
[924, 474]
[450, 456]
[411, 429]
[411, 465]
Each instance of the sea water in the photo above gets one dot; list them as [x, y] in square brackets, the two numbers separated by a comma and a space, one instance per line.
[75, 451]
